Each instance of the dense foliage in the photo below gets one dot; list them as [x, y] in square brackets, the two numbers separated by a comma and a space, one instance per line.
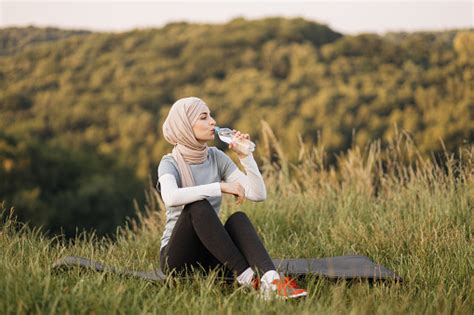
[60, 189]
[98, 100]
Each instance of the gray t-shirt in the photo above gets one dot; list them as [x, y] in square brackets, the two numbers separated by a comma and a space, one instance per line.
[216, 168]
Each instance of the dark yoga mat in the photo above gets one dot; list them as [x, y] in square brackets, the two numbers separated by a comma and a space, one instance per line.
[339, 267]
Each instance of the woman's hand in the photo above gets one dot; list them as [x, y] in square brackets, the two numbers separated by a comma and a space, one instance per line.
[234, 189]
[234, 147]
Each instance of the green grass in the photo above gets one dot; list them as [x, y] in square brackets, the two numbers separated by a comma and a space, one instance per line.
[414, 217]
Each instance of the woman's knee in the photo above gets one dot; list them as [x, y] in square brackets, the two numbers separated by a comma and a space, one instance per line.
[238, 216]
[200, 207]
[199, 204]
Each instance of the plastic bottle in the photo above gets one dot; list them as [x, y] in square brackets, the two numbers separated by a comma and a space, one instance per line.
[227, 135]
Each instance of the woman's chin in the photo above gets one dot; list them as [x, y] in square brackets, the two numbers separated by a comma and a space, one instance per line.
[207, 139]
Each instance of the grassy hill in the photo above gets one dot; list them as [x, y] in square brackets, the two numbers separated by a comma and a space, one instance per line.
[418, 222]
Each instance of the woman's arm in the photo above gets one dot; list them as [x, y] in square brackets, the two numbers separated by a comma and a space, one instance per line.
[174, 196]
[252, 183]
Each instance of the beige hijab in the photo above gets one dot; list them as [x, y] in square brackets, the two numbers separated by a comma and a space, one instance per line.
[178, 130]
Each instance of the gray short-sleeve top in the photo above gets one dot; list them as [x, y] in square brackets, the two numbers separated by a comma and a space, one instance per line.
[216, 168]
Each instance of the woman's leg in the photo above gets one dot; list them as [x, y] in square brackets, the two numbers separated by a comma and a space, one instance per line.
[246, 239]
[199, 238]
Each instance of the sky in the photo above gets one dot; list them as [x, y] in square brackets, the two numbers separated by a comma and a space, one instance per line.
[348, 17]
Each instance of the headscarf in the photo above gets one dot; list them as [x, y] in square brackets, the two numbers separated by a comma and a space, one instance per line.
[178, 130]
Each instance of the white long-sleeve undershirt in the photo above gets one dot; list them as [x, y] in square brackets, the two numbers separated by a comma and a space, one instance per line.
[252, 182]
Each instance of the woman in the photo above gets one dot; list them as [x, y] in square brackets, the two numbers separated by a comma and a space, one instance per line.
[191, 181]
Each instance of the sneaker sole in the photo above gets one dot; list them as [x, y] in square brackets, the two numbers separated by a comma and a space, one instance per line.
[269, 297]
[302, 294]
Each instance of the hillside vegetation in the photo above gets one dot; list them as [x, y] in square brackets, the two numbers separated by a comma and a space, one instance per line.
[81, 112]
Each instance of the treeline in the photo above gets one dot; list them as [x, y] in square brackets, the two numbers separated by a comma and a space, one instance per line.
[61, 189]
[15, 39]
[104, 96]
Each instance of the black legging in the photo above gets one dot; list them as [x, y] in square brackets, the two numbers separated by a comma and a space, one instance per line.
[200, 240]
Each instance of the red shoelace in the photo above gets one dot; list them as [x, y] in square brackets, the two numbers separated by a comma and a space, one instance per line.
[287, 283]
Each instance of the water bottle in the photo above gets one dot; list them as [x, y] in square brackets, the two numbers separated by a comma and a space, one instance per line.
[227, 135]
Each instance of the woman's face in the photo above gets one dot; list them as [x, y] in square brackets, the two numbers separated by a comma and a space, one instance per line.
[204, 127]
